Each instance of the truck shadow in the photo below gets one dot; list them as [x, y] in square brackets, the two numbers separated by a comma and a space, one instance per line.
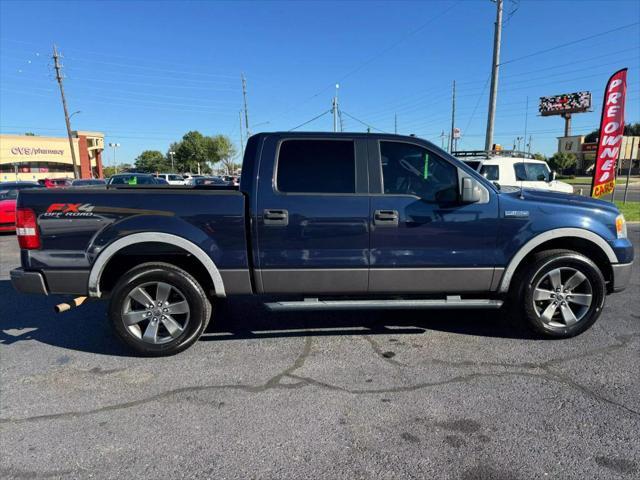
[29, 317]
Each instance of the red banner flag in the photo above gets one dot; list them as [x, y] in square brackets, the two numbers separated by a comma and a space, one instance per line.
[611, 132]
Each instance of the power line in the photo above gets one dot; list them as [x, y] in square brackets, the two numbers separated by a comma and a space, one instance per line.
[566, 44]
[368, 125]
[309, 121]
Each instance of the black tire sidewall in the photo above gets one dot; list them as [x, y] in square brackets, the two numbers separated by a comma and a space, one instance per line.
[541, 268]
[200, 309]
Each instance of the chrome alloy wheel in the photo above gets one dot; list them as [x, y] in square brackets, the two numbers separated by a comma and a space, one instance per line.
[155, 312]
[562, 297]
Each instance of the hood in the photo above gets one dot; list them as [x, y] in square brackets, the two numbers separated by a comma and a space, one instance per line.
[559, 198]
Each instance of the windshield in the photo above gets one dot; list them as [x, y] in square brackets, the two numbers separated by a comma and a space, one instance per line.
[490, 172]
[132, 180]
[531, 172]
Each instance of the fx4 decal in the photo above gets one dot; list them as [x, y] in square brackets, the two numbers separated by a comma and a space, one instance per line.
[69, 210]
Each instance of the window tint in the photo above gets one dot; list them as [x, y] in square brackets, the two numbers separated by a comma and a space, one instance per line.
[531, 172]
[411, 170]
[175, 178]
[131, 180]
[317, 166]
[490, 172]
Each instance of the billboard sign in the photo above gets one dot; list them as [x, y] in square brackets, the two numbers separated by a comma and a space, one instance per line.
[611, 133]
[567, 103]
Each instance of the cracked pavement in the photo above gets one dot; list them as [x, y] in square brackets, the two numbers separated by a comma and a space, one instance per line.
[404, 394]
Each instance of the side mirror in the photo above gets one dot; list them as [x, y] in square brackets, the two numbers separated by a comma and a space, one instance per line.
[471, 192]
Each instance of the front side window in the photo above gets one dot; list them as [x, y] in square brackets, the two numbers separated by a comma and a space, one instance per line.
[531, 172]
[490, 172]
[176, 178]
[316, 166]
[411, 170]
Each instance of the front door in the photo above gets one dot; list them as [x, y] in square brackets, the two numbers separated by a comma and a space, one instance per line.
[423, 239]
[313, 216]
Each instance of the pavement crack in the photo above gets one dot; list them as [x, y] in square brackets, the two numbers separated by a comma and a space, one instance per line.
[272, 383]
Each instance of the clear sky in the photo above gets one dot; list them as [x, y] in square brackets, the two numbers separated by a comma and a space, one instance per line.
[147, 72]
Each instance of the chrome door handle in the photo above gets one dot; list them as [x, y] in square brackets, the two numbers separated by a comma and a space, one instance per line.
[273, 216]
[388, 218]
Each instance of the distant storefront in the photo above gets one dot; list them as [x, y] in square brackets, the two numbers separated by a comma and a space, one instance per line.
[585, 153]
[27, 157]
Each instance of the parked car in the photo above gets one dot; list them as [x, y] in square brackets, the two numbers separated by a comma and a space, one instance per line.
[522, 171]
[216, 181]
[188, 177]
[135, 179]
[88, 182]
[8, 196]
[233, 180]
[171, 178]
[55, 182]
[325, 221]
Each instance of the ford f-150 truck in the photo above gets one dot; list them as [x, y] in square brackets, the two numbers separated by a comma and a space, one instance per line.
[324, 221]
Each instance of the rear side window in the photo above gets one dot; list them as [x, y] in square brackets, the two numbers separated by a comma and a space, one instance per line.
[490, 172]
[317, 166]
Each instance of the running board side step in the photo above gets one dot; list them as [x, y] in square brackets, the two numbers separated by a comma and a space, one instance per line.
[317, 304]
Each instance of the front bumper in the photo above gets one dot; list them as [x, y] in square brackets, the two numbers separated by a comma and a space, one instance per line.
[621, 275]
[28, 282]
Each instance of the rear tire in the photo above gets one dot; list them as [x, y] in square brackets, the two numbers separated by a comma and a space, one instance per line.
[158, 309]
[560, 294]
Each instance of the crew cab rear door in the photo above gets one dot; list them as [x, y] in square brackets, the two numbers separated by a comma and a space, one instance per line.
[312, 215]
[423, 239]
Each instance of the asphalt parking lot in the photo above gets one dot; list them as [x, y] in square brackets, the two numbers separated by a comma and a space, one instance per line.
[412, 394]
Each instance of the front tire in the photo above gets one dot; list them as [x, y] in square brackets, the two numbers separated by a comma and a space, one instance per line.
[560, 294]
[158, 309]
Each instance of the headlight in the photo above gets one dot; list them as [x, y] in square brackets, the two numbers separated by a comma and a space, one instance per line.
[621, 226]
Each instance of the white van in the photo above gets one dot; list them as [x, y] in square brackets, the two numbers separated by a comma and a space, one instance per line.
[171, 178]
[516, 171]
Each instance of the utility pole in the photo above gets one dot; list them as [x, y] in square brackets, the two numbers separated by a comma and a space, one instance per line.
[495, 66]
[171, 154]
[58, 68]
[241, 140]
[246, 112]
[442, 137]
[453, 118]
[334, 109]
[395, 123]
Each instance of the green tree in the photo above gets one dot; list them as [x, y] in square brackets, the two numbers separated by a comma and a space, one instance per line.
[225, 152]
[630, 129]
[560, 161]
[539, 156]
[122, 167]
[152, 161]
[194, 150]
[30, 134]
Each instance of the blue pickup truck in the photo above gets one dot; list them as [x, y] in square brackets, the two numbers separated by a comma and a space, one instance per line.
[324, 221]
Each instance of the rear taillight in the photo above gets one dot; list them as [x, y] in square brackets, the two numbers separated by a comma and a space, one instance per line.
[27, 229]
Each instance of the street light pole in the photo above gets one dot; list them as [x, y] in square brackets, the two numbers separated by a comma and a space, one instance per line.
[115, 165]
[171, 154]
